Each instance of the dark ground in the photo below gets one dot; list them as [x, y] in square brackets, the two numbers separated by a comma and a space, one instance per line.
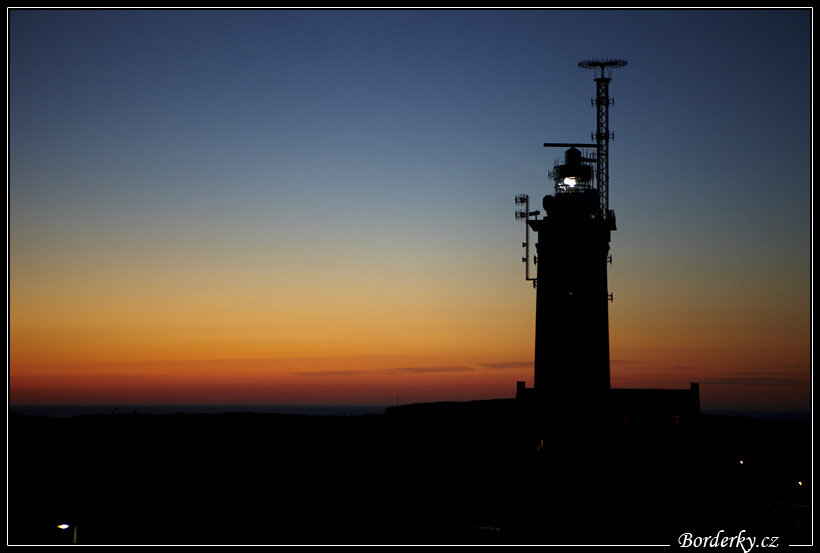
[464, 473]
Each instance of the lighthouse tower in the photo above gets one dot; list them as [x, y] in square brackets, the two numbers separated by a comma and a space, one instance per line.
[571, 379]
[572, 316]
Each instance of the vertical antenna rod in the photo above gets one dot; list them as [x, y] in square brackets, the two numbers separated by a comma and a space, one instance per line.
[602, 135]
[524, 215]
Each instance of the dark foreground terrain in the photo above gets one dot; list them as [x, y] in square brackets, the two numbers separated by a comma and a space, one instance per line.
[466, 473]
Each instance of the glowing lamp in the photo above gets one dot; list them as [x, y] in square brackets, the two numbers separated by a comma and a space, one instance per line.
[66, 527]
[574, 172]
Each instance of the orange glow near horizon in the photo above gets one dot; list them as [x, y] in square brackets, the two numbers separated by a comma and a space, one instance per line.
[374, 380]
[356, 339]
[352, 337]
[772, 380]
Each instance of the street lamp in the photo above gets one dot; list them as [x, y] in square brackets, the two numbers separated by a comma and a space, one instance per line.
[66, 527]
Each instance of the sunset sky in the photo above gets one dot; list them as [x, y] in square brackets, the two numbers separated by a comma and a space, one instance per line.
[317, 207]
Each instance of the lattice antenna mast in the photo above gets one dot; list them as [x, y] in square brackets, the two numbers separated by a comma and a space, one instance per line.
[602, 134]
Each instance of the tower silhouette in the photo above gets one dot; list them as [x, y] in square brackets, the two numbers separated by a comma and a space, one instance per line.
[571, 377]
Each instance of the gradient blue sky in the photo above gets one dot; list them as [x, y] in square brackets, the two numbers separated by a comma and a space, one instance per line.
[338, 186]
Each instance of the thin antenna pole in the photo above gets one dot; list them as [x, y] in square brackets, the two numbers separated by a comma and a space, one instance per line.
[524, 215]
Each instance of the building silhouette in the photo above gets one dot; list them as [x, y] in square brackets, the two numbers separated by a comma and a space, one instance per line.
[571, 386]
